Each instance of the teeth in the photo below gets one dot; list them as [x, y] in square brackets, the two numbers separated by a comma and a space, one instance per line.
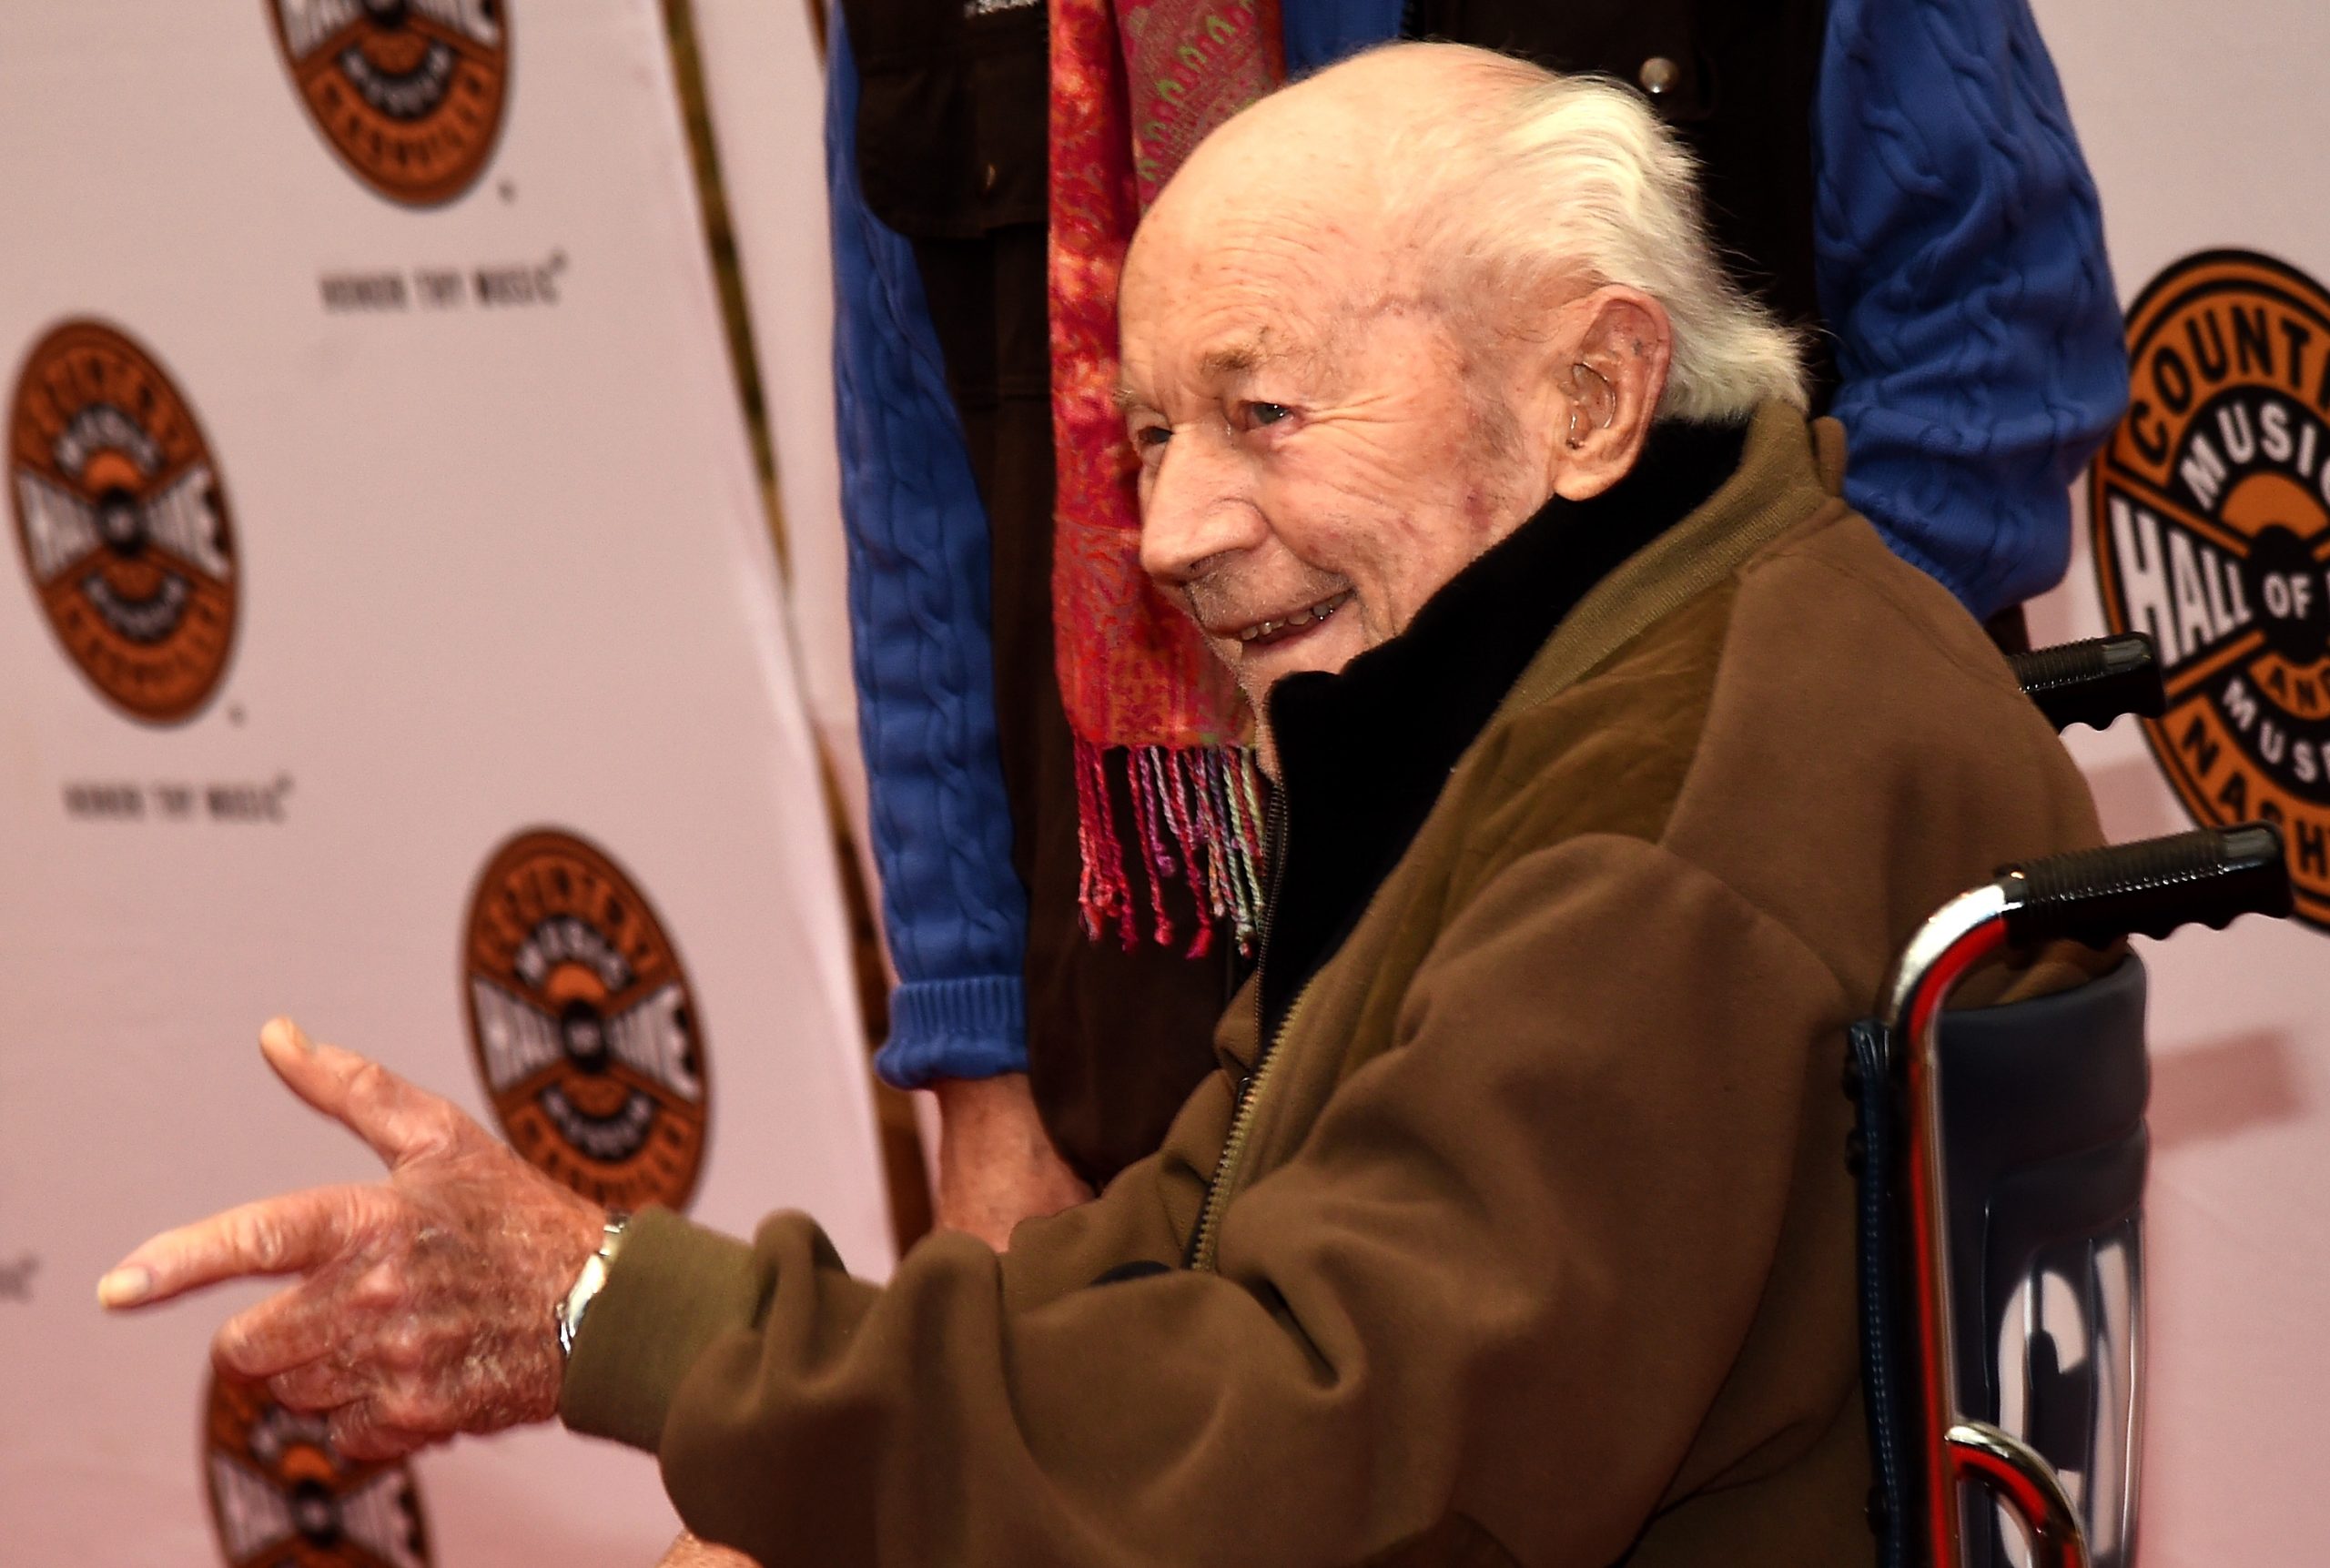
[1319, 611]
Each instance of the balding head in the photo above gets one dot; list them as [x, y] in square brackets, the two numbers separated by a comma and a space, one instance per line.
[1324, 152]
[1480, 182]
[1380, 317]
[1316, 169]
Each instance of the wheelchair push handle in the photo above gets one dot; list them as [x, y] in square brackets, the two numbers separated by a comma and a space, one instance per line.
[2094, 681]
[2149, 888]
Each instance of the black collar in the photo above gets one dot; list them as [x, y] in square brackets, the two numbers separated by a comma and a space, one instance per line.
[1363, 754]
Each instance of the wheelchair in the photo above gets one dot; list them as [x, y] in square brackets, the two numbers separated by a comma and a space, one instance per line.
[1999, 1155]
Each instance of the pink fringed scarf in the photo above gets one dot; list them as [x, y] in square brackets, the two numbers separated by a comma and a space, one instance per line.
[1134, 86]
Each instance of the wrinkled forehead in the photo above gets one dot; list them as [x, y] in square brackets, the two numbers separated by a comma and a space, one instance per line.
[1271, 234]
[1212, 294]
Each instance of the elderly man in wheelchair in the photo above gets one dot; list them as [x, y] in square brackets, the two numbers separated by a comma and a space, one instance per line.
[1613, 757]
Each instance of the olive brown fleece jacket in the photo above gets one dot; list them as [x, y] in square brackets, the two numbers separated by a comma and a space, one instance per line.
[1533, 1241]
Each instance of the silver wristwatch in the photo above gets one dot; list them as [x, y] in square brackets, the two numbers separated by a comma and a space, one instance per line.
[570, 1311]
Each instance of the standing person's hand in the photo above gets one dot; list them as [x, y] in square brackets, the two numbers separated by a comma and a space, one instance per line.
[688, 1551]
[995, 1165]
[426, 1302]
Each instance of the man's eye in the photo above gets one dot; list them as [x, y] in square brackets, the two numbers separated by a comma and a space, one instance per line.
[1151, 437]
[1266, 413]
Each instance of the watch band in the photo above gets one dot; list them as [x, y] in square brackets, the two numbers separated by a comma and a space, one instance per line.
[570, 1311]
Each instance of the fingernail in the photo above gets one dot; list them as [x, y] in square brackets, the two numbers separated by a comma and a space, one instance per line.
[126, 1286]
[282, 1032]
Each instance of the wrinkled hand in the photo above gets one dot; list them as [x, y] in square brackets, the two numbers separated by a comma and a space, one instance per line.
[688, 1551]
[427, 1302]
[995, 1165]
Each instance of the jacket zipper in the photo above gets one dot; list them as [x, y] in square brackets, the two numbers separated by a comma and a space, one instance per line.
[1241, 1122]
[1233, 1148]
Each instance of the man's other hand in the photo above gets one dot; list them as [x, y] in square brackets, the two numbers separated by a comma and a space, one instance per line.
[426, 1304]
[996, 1166]
[688, 1551]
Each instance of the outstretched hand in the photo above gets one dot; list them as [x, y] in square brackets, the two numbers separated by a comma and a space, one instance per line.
[426, 1304]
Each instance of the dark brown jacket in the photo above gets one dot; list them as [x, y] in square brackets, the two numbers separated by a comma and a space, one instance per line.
[1535, 1242]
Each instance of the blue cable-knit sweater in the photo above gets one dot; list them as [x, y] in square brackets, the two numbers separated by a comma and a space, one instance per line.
[1960, 266]
[952, 907]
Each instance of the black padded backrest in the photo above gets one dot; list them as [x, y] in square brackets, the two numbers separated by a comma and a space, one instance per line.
[2043, 1104]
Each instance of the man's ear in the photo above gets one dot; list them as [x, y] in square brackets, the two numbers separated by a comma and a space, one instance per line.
[1609, 389]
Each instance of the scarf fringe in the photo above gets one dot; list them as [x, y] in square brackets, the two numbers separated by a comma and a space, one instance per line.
[1197, 817]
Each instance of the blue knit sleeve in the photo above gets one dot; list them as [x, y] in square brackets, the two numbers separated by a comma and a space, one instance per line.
[917, 548]
[1960, 262]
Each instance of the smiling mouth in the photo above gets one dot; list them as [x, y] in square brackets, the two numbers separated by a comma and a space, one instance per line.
[1269, 633]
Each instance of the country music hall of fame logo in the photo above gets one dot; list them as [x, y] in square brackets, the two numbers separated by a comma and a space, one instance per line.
[122, 522]
[409, 93]
[2211, 512]
[583, 1024]
[282, 1497]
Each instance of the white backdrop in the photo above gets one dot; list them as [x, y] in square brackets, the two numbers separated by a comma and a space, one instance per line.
[765, 87]
[2204, 127]
[500, 566]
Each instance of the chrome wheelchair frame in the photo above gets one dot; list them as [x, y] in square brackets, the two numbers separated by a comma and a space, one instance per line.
[1927, 1452]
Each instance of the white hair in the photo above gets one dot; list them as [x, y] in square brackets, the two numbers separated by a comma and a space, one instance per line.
[1542, 177]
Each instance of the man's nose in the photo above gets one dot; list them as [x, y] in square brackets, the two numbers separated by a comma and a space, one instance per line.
[1197, 507]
